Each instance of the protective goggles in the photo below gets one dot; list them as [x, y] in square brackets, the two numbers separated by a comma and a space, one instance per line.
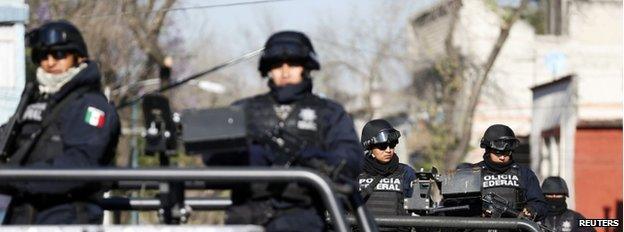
[47, 37]
[384, 146]
[384, 137]
[504, 144]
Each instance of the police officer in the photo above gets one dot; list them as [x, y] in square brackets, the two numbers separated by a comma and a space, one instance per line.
[385, 182]
[559, 217]
[502, 176]
[68, 123]
[322, 130]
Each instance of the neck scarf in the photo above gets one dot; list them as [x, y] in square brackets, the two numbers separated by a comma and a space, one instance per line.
[290, 93]
[372, 167]
[556, 206]
[496, 166]
[51, 83]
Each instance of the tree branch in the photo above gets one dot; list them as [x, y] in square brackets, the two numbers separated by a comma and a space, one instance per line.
[147, 37]
[475, 94]
[159, 19]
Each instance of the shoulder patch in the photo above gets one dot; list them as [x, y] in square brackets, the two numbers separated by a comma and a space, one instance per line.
[95, 117]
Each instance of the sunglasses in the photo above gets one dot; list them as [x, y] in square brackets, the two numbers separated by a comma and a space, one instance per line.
[56, 54]
[498, 153]
[384, 146]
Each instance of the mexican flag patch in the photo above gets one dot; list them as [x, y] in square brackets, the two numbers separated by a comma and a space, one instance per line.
[95, 117]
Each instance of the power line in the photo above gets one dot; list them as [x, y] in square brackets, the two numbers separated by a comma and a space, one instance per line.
[192, 77]
[184, 8]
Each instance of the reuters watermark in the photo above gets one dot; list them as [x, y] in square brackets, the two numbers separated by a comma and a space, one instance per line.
[599, 223]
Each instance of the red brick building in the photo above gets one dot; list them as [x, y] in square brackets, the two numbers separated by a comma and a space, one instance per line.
[582, 143]
[598, 169]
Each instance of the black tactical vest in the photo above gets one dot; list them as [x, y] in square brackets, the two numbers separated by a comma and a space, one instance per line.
[49, 142]
[44, 142]
[30, 122]
[566, 221]
[387, 197]
[506, 185]
[303, 121]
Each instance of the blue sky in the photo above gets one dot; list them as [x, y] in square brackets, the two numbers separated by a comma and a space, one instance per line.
[228, 23]
[221, 33]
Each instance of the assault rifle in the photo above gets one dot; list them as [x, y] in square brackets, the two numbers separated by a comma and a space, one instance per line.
[497, 206]
[9, 130]
[288, 148]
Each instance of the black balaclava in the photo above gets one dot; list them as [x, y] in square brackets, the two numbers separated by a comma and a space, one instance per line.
[290, 93]
[556, 206]
[373, 167]
[496, 166]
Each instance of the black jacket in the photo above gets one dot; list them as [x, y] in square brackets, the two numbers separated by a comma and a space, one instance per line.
[337, 138]
[324, 132]
[566, 221]
[531, 190]
[86, 131]
[407, 173]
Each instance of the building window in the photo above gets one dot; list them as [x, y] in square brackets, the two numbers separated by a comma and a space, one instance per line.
[550, 155]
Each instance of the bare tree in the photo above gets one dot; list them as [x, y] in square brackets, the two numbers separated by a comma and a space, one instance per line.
[124, 38]
[449, 93]
[367, 53]
[146, 22]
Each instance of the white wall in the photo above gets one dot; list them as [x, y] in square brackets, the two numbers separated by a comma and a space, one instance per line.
[506, 97]
[554, 107]
[592, 51]
[13, 15]
[596, 55]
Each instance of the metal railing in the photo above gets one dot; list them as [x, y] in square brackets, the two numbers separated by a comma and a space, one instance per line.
[456, 222]
[209, 175]
[132, 228]
[148, 204]
[152, 185]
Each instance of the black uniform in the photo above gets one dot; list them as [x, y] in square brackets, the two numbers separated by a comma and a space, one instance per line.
[517, 184]
[559, 217]
[391, 190]
[328, 132]
[82, 130]
[565, 221]
[323, 132]
[387, 198]
[384, 186]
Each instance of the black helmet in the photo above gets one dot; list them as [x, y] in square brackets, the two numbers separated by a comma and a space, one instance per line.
[58, 35]
[378, 131]
[499, 137]
[288, 46]
[555, 185]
